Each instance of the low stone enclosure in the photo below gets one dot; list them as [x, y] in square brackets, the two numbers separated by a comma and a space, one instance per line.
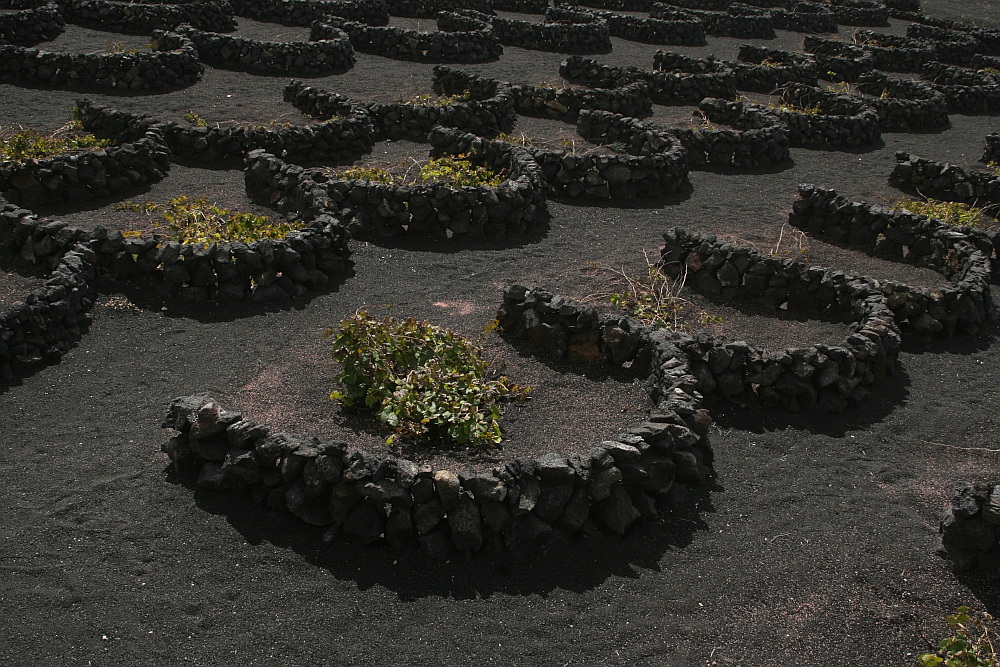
[144, 17]
[969, 537]
[564, 30]
[172, 63]
[31, 25]
[134, 162]
[516, 507]
[333, 53]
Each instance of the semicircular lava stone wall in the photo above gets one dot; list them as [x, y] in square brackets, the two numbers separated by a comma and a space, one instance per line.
[307, 12]
[172, 63]
[141, 18]
[682, 31]
[81, 177]
[666, 88]
[564, 30]
[31, 25]
[459, 39]
[818, 117]
[334, 53]
[904, 105]
[516, 507]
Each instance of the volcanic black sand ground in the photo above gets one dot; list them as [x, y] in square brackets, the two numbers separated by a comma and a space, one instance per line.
[814, 546]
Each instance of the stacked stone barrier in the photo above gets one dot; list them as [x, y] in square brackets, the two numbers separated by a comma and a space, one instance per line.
[961, 257]
[325, 56]
[815, 377]
[566, 103]
[84, 176]
[758, 138]
[904, 105]
[859, 12]
[348, 136]
[515, 508]
[428, 9]
[945, 181]
[618, 5]
[893, 53]
[31, 25]
[969, 529]
[392, 121]
[837, 60]
[564, 30]
[380, 210]
[521, 6]
[765, 76]
[950, 46]
[459, 39]
[821, 118]
[305, 260]
[51, 319]
[172, 63]
[805, 17]
[991, 149]
[667, 88]
[681, 31]
[307, 12]
[738, 20]
[648, 162]
[139, 18]
[965, 90]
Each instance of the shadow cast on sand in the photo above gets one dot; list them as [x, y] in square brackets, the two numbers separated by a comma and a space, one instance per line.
[571, 563]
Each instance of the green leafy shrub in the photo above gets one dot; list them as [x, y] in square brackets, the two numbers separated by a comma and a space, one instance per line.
[970, 646]
[29, 143]
[198, 220]
[429, 383]
[949, 212]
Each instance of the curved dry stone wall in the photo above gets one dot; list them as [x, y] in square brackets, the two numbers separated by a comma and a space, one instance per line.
[804, 17]
[818, 117]
[823, 377]
[966, 90]
[736, 21]
[459, 39]
[858, 12]
[173, 63]
[969, 535]
[306, 12]
[758, 138]
[410, 120]
[904, 105]
[991, 149]
[951, 46]
[426, 9]
[687, 32]
[80, 177]
[349, 136]
[140, 18]
[516, 507]
[837, 60]
[961, 256]
[379, 210]
[324, 56]
[53, 317]
[31, 25]
[893, 53]
[564, 30]
[666, 88]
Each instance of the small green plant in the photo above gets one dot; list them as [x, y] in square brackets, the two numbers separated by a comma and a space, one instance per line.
[430, 384]
[198, 220]
[791, 108]
[618, 146]
[429, 99]
[768, 62]
[971, 645]
[842, 88]
[949, 212]
[29, 143]
[193, 118]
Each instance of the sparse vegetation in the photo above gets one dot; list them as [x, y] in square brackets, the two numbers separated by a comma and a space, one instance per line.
[430, 99]
[950, 212]
[198, 220]
[28, 143]
[430, 384]
[193, 118]
[456, 171]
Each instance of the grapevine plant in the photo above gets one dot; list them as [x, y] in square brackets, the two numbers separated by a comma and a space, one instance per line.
[197, 220]
[429, 383]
